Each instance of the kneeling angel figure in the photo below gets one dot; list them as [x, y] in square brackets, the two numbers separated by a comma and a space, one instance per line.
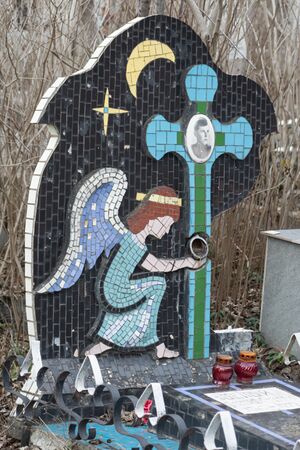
[130, 302]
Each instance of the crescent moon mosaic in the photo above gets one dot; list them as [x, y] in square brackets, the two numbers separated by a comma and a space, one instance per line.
[144, 53]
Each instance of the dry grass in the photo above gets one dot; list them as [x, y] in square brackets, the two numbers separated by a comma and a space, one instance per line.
[261, 41]
[43, 40]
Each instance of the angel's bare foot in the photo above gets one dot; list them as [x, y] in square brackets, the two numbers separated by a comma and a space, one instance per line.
[163, 352]
[97, 349]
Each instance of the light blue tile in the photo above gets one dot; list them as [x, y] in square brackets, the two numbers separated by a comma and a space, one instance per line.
[229, 139]
[248, 141]
[161, 137]
[151, 139]
[239, 139]
[172, 138]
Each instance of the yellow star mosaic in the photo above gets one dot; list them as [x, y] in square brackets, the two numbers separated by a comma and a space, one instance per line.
[106, 110]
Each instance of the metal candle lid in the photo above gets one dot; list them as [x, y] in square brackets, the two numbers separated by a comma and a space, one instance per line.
[224, 359]
[247, 356]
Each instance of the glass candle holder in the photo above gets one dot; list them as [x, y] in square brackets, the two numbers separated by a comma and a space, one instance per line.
[246, 367]
[222, 370]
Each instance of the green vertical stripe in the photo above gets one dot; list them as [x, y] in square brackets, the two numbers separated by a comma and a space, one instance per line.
[220, 139]
[200, 277]
[180, 138]
[201, 107]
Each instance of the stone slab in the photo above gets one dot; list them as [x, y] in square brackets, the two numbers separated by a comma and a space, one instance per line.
[257, 401]
[133, 371]
[232, 340]
[292, 236]
[261, 431]
[281, 293]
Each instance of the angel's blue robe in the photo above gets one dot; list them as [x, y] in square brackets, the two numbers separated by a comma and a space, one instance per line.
[136, 327]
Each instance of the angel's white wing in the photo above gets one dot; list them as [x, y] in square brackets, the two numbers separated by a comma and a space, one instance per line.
[94, 226]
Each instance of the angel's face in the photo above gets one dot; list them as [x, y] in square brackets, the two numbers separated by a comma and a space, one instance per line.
[160, 226]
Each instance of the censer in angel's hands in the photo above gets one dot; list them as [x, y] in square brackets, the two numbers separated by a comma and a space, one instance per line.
[197, 245]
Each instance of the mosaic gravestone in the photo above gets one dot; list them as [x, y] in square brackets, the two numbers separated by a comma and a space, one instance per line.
[149, 141]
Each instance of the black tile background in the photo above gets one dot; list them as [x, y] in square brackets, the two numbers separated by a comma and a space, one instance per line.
[69, 314]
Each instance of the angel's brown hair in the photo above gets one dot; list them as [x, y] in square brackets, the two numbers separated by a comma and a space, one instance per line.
[150, 210]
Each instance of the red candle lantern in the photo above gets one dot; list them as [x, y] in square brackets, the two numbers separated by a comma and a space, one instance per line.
[246, 367]
[222, 370]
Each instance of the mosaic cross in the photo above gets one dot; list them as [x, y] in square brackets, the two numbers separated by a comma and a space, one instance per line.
[235, 139]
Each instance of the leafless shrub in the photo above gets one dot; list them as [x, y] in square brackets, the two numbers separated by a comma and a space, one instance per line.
[42, 40]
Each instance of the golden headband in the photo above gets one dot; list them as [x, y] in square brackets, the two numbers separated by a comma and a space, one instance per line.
[160, 199]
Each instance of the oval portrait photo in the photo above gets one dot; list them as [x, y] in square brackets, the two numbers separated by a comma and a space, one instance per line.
[200, 138]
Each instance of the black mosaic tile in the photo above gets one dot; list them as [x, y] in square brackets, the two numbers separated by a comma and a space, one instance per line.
[65, 318]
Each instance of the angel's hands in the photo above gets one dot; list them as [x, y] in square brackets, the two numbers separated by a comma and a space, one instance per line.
[195, 264]
[153, 264]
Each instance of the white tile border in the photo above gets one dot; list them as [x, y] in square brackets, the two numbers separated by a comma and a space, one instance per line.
[38, 173]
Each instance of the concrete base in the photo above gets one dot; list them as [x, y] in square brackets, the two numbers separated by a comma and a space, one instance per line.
[281, 292]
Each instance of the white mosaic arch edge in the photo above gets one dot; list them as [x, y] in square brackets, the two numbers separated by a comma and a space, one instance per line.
[32, 201]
